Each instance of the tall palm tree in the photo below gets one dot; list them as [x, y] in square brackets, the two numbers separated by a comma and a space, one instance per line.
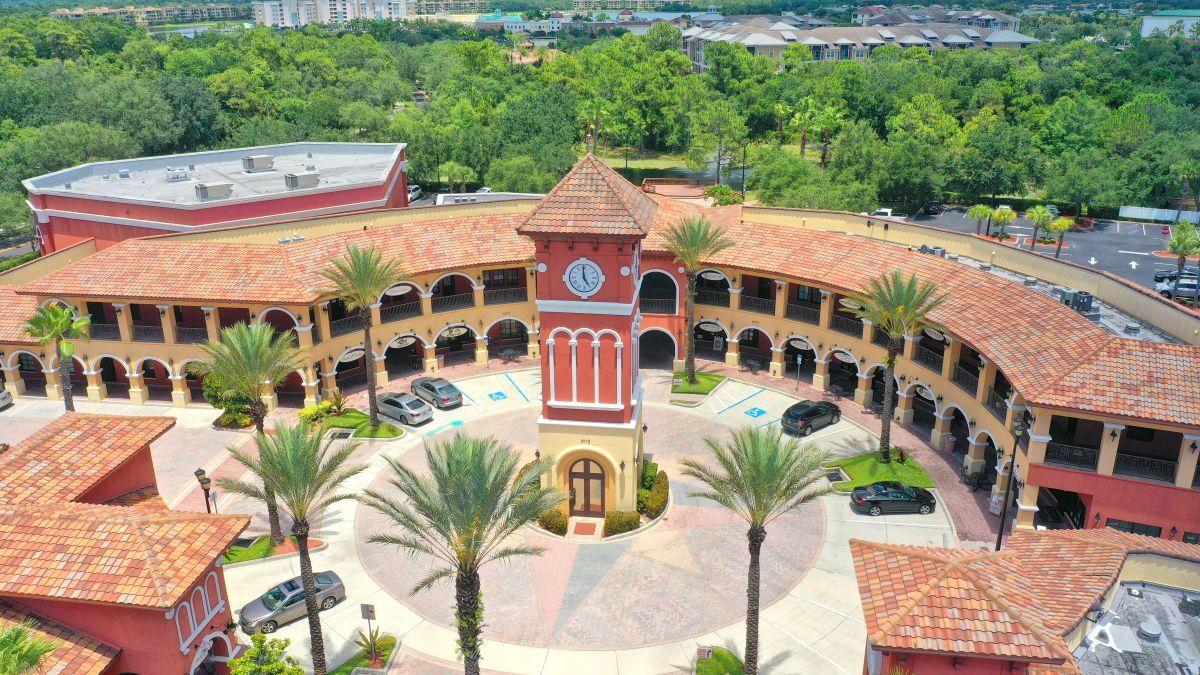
[56, 326]
[782, 112]
[828, 120]
[1059, 227]
[461, 515]
[760, 475]
[246, 360]
[1040, 216]
[979, 213]
[21, 651]
[1003, 218]
[804, 120]
[359, 278]
[691, 241]
[1184, 243]
[898, 306]
[304, 474]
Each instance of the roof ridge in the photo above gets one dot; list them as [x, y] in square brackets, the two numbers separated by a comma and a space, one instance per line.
[1043, 634]
[151, 560]
[1079, 363]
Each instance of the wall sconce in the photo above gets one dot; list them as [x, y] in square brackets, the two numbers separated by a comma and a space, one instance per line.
[870, 224]
[903, 378]
[163, 312]
[1174, 531]
[1096, 519]
[207, 314]
[1112, 433]
[776, 335]
[1193, 442]
[117, 310]
[537, 454]
[622, 465]
[429, 332]
[379, 343]
[481, 323]
[325, 308]
[939, 397]
[863, 360]
[820, 346]
[170, 362]
[645, 428]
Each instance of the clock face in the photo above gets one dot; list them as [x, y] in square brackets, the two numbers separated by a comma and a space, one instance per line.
[584, 278]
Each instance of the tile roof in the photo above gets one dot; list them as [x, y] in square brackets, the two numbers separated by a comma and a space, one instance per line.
[1016, 603]
[65, 459]
[592, 199]
[17, 308]
[146, 498]
[108, 554]
[77, 654]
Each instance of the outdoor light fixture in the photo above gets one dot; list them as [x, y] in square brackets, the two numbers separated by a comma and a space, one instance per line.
[1097, 519]
[1112, 434]
[537, 454]
[939, 397]
[622, 465]
[206, 485]
[645, 428]
[1193, 442]
[1174, 531]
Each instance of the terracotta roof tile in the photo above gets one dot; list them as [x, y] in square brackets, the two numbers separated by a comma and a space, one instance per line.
[69, 456]
[592, 199]
[16, 308]
[77, 654]
[108, 554]
[146, 498]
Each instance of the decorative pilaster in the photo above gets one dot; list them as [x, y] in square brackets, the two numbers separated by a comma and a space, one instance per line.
[138, 393]
[820, 378]
[167, 315]
[776, 367]
[181, 394]
[96, 389]
[1108, 448]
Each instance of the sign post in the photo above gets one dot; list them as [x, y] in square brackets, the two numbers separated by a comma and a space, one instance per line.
[368, 613]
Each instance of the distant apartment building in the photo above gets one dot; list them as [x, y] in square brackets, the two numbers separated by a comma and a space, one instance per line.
[1182, 22]
[427, 7]
[764, 38]
[300, 13]
[880, 15]
[285, 13]
[618, 5]
[153, 16]
[509, 23]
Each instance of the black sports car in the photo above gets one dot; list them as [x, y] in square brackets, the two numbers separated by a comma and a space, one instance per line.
[891, 497]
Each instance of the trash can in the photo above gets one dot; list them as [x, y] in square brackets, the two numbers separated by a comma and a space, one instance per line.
[948, 442]
[441, 360]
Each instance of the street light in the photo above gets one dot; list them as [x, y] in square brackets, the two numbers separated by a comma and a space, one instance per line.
[1018, 428]
[206, 485]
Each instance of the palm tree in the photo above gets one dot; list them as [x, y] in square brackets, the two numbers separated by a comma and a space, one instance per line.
[1059, 227]
[246, 360]
[461, 515]
[359, 278]
[691, 241]
[804, 120]
[304, 473]
[979, 213]
[1040, 216]
[1003, 218]
[782, 112]
[898, 306]
[21, 651]
[56, 326]
[828, 120]
[1184, 243]
[759, 476]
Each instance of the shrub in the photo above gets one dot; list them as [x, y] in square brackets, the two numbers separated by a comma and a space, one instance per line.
[337, 403]
[214, 394]
[17, 261]
[553, 520]
[659, 495]
[643, 499]
[649, 473]
[234, 419]
[315, 414]
[616, 522]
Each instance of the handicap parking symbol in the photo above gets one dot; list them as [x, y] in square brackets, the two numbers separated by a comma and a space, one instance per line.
[497, 396]
[756, 412]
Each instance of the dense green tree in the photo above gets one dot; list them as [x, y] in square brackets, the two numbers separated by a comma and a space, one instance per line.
[44, 149]
[519, 174]
[1083, 179]
[717, 129]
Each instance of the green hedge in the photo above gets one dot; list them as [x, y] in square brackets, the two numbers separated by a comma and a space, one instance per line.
[643, 499]
[659, 495]
[553, 520]
[649, 473]
[616, 522]
[17, 261]
[315, 414]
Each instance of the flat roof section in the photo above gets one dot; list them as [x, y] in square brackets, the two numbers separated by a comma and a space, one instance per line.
[237, 175]
[1148, 629]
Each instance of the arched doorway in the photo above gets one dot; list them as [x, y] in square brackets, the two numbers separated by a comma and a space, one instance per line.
[657, 350]
[960, 429]
[754, 349]
[112, 374]
[156, 377]
[455, 344]
[878, 382]
[924, 408]
[351, 369]
[586, 488]
[843, 372]
[710, 339]
[507, 339]
[404, 354]
[799, 359]
[658, 294]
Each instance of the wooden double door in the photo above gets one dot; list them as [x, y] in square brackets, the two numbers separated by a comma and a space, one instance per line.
[587, 489]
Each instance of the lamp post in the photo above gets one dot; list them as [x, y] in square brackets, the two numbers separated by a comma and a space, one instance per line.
[1018, 428]
[205, 485]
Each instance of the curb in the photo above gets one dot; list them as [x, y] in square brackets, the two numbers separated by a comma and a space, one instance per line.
[604, 540]
[250, 563]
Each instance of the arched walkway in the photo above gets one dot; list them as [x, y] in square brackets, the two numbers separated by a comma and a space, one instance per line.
[404, 355]
[112, 373]
[799, 359]
[507, 339]
[960, 428]
[455, 345]
[352, 370]
[657, 349]
[659, 293]
[711, 340]
[924, 403]
[843, 371]
[754, 347]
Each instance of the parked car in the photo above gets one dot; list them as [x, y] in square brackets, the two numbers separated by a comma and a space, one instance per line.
[1187, 288]
[414, 193]
[882, 213]
[405, 408]
[935, 208]
[438, 391]
[807, 416]
[1169, 275]
[892, 497]
[285, 603]
[6, 399]
[1004, 206]
[483, 190]
[1053, 209]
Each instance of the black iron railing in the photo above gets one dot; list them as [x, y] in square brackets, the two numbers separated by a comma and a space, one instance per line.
[1075, 456]
[1145, 467]
[147, 333]
[713, 298]
[880, 338]
[847, 325]
[185, 335]
[804, 313]
[657, 305]
[757, 305]
[450, 302]
[997, 403]
[968, 381]
[930, 359]
[503, 296]
[401, 311]
[105, 331]
[347, 324]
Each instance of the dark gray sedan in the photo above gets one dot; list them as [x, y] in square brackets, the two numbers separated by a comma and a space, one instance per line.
[438, 391]
[285, 603]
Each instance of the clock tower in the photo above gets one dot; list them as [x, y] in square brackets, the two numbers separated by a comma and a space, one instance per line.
[588, 233]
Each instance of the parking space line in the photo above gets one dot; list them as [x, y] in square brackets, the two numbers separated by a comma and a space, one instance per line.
[732, 405]
[1132, 253]
[468, 397]
[517, 387]
[776, 420]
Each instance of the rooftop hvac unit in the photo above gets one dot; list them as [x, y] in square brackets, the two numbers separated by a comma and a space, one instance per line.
[1082, 302]
[306, 179]
[123, 173]
[206, 191]
[253, 163]
[939, 251]
[1068, 296]
[177, 175]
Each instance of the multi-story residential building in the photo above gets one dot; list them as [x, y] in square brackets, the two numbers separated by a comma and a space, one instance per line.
[978, 18]
[1170, 22]
[93, 556]
[861, 15]
[618, 5]
[285, 13]
[300, 13]
[764, 38]
[1113, 421]
[153, 16]
[430, 7]
[117, 200]
[509, 23]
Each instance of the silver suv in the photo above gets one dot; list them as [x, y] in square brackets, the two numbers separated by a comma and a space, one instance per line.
[406, 408]
[285, 603]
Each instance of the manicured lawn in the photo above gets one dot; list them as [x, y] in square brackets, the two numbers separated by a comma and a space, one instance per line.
[386, 645]
[360, 422]
[865, 469]
[705, 382]
[722, 662]
[650, 160]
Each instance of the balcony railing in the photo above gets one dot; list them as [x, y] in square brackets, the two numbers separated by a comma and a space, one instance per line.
[503, 296]
[1145, 467]
[190, 336]
[1075, 456]
[847, 325]
[657, 305]
[804, 313]
[346, 324]
[401, 311]
[998, 404]
[757, 305]
[449, 302]
[968, 381]
[930, 359]
[880, 338]
[105, 331]
[147, 333]
[713, 298]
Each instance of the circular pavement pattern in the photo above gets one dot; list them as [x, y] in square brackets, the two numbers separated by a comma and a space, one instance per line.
[683, 577]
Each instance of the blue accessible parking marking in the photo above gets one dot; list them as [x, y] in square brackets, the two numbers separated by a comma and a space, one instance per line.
[756, 412]
[497, 396]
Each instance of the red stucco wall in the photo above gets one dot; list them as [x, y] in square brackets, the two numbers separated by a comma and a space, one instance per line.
[1139, 501]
